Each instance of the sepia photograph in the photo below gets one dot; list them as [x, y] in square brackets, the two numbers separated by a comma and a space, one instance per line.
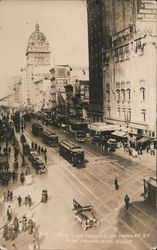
[78, 125]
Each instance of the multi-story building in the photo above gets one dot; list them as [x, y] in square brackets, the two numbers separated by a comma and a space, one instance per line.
[15, 98]
[43, 94]
[128, 63]
[95, 43]
[61, 76]
[38, 62]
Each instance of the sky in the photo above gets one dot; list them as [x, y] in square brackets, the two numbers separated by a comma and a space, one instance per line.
[63, 22]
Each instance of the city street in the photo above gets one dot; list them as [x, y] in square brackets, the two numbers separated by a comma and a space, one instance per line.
[93, 184]
[78, 125]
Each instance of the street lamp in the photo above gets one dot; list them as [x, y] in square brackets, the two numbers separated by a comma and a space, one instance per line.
[127, 121]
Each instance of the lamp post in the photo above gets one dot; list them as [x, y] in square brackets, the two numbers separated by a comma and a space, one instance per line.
[127, 120]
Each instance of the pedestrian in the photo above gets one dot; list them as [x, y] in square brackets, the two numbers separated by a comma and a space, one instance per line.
[42, 150]
[45, 151]
[148, 148]
[127, 199]
[24, 223]
[9, 150]
[12, 234]
[45, 157]
[16, 225]
[19, 199]
[13, 247]
[29, 200]
[36, 147]
[152, 151]
[141, 150]
[9, 213]
[8, 195]
[5, 194]
[26, 200]
[30, 226]
[22, 177]
[39, 149]
[116, 183]
[11, 195]
[5, 232]
[20, 226]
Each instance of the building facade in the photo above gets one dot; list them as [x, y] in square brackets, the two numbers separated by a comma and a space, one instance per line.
[95, 43]
[129, 64]
[37, 63]
[61, 76]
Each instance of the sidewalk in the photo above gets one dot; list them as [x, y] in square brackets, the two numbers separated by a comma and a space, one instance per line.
[23, 210]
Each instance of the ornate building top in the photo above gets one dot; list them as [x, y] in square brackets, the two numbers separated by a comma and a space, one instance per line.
[37, 42]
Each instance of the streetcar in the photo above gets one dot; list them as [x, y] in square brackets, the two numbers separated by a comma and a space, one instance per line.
[150, 191]
[37, 129]
[80, 136]
[71, 152]
[49, 138]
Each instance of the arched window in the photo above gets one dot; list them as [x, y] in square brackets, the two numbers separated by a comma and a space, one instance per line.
[118, 95]
[108, 95]
[123, 94]
[108, 92]
[143, 93]
[128, 92]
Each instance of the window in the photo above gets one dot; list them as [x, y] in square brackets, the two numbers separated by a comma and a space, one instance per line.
[143, 112]
[118, 111]
[118, 95]
[123, 94]
[128, 115]
[108, 111]
[128, 92]
[123, 112]
[108, 92]
[143, 93]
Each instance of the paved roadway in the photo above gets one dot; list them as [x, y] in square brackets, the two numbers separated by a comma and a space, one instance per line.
[120, 230]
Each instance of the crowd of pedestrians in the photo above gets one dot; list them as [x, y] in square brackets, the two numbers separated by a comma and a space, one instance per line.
[12, 228]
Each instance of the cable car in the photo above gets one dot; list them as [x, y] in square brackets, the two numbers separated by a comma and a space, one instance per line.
[71, 152]
[37, 129]
[49, 138]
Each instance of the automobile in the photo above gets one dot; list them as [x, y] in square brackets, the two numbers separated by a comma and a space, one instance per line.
[33, 155]
[39, 165]
[111, 145]
[85, 215]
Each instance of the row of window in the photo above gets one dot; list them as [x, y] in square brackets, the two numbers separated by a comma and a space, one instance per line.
[126, 114]
[124, 94]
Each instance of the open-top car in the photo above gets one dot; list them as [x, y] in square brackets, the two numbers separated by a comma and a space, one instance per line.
[37, 162]
[85, 215]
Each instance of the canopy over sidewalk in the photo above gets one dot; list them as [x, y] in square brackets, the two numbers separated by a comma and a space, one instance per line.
[119, 133]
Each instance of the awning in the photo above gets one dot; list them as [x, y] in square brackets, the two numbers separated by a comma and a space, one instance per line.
[119, 133]
[101, 127]
[143, 140]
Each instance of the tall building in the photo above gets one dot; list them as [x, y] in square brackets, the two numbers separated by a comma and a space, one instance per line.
[37, 62]
[128, 63]
[95, 38]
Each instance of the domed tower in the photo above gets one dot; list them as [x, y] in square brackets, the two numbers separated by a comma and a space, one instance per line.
[37, 63]
[38, 51]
